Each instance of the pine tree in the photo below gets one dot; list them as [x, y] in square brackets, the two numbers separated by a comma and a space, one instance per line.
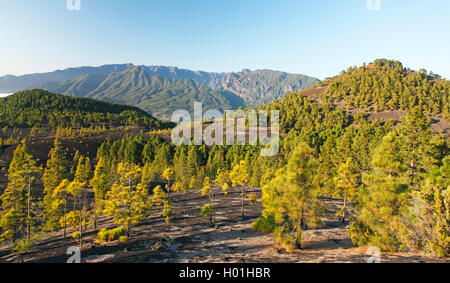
[428, 225]
[347, 180]
[65, 192]
[168, 174]
[161, 198]
[128, 200]
[19, 204]
[239, 177]
[223, 180]
[75, 159]
[82, 178]
[386, 198]
[208, 211]
[55, 172]
[416, 134]
[207, 191]
[101, 184]
[290, 200]
[162, 160]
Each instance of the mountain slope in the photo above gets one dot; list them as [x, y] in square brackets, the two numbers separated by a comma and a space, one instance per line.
[387, 85]
[254, 87]
[156, 95]
[10, 84]
[37, 108]
[382, 90]
[261, 86]
[245, 88]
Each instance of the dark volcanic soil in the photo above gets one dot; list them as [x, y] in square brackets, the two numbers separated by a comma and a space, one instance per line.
[189, 238]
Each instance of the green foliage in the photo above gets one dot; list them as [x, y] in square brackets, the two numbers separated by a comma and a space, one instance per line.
[207, 212]
[386, 85]
[394, 174]
[18, 217]
[23, 245]
[76, 235]
[105, 235]
[385, 200]
[54, 173]
[290, 200]
[265, 224]
[239, 177]
[428, 223]
[38, 108]
[101, 181]
[128, 200]
[161, 198]
[348, 181]
[156, 95]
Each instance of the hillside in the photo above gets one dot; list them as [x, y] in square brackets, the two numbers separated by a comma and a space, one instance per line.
[189, 239]
[156, 95]
[10, 84]
[245, 88]
[256, 88]
[368, 177]
[382, 90]
[261, 86]
[387, 85]
[37, 108]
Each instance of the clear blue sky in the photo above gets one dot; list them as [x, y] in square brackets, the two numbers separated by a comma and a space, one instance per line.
[314, 37]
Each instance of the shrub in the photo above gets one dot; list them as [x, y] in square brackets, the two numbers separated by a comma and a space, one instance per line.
[207, 211]
[105, 235]
[23, 245]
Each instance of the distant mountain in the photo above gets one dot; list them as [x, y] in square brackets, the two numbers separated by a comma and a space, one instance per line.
[245, 88]
[255, 88]
[37, 108]
[10, 84]
[156, 95]
[260, 87]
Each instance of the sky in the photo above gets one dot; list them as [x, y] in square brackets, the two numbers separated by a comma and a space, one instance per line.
[319, 38]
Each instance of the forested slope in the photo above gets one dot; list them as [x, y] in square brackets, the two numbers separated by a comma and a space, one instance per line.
[38, 108]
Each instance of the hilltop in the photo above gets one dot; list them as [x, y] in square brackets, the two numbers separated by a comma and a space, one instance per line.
[37, 108]
[383, 90]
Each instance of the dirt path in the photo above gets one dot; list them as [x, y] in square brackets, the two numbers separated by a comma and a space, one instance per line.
[189, 238]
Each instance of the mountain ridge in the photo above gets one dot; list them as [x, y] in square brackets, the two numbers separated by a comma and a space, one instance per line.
[246, 88]
[156, 95]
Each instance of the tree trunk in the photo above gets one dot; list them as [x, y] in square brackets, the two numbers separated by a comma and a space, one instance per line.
[302, 219]
[81, 223]
[65, 215]
[344, 208]
[95, 218]
[242, 203]
[168, 188]
[211, 196]
[28, 210]
[85, 205]
[298, 243]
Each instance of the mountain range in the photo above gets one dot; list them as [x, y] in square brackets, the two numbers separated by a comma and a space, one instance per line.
[160, 90]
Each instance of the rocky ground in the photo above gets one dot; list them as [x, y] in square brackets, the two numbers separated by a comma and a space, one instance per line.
[190, 239]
